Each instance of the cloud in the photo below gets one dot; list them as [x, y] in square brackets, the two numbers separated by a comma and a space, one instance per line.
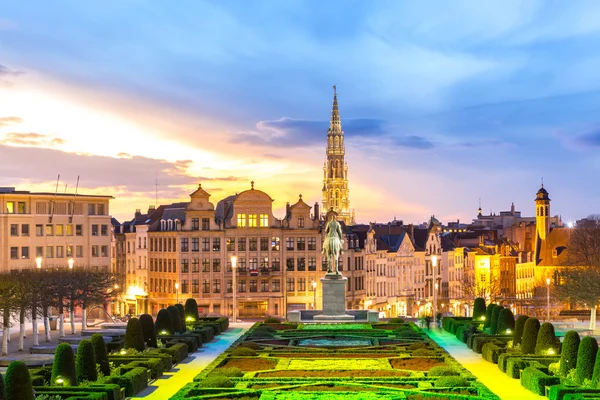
[589, 139]
[481, 143]
[413, 142]
[31, 139]
[4, 70]
[5, 121]
[225, 178]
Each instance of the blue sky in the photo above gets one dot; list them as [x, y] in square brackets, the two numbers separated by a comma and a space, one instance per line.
[442, 103]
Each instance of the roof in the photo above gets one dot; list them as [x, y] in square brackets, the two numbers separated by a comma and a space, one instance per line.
[420, 238]
[224, 209]
[542, 194]
[554, 250]
[392, 242]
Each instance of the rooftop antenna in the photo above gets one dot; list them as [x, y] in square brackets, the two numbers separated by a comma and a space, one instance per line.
[542, 182]
[65, 188]
[54, 200]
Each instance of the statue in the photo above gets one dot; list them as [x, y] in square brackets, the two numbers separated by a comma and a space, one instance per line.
[332, 246]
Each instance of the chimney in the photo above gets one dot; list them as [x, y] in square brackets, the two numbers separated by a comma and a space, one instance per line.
[138, 212]
[316, 210]
[288, 210]
[151, 209]
[411, 232]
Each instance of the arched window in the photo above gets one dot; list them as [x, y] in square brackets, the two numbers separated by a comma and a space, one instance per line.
[177, 224]
[162, 224]
[170, 225]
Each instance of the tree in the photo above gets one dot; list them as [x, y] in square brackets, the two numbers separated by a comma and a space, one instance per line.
[191, 310]
[85, 363]
[134, 338]
[586, 358]
[164, 325]
[546, 340]
[506, 321]
[519, 326]
[478, 308]
[2, 388]
[148, 330]
[63, 367]
[18, 382]
[23, 281]
[488, 315]
[494, 321]
[100, 353]
[8, 304]
[181, 310]
[568, 355]
[530, 333]
[175, 318]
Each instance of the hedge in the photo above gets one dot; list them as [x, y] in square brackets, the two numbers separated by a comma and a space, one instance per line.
[148, 331]
[163, 324]
[596, 374]
[488, 315]
[134, 338]
[506, 320]
[494, 321]
[191, 310]
[175, 318]
[480, 341]
[178, 351]
[478, 308]
[536, 380]
[519, 326]
[530, 332]
[64, 365]
[133, 380]
[85, 363]
[491, 350]
[546, 339]
[100, 353]
[18, 382]
[558, 392]
[109, 391]
[515, 365]
[586, 358]
[568, 355]
[155, 365]
[207, 333]
[181, 310]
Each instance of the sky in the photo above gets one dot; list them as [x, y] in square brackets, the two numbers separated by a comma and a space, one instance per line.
[443, 104]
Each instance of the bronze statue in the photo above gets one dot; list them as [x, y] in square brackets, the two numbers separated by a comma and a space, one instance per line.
[332, 245]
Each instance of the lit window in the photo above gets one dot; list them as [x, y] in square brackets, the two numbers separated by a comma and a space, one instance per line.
[10, 207]
[241, 221]
[252, 220]
[264, 220]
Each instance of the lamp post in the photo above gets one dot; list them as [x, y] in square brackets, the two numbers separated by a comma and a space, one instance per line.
[71, 262]
[548, 298]
[314, 286]
[435, 286]
[233, 268]
[177, 292]
[38, 262]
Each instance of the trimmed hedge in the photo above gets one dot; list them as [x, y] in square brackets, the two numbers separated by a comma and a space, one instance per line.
[105, 391]
[568, 355]
[18, 382]
[494, 321]
[181, 310]
[492, 350]
[133, 380]
[506, 320]
[134, 338]
[560, 392]
[100, 353]
[479, 341]
[519, 327]
[207, 333]
[478, 308]
[2, 388]
[536, 380]
[64, 365]
[175, 318]
[164, 323]
[154, 364]
[488, 315]
[85, 363]
[546, 339]
[148, 331]
[586, 358]
[511, 363]
[191, 310]
[177, 351]
[596, 374]
[530, 332]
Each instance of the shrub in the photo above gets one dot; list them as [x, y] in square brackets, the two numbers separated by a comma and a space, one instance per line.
[396, 320]
[134, 338]
[250, 345]
[506, 320]
[568, 355]
[451, 381]
[424, 353]
[182, 327]
[492, 350]
[536, 380]
[18, 381]
[488, 315]
[546, 339]
[175, 318]
[417, 345]
[100, 353]
[519, 326]
[478, 309]
[243, 352]
[272, 321]
[164, 323]
[441, 370]
[530, 332]
[64, 365]
[216, 381]
[191, 310]
[586, 358]
[85, 363]
[148, 332]
[234, 372]
[494, 321]
[2, 388]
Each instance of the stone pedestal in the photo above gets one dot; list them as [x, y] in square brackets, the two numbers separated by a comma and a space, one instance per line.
[334, 299]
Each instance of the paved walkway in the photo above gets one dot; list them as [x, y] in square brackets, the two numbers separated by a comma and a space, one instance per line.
[489, 374]
[167, 385]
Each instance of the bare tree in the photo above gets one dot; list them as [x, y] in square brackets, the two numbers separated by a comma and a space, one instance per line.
[8, 304]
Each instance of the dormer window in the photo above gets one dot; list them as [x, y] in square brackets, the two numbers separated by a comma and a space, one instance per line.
[163, 224]
[170, 225]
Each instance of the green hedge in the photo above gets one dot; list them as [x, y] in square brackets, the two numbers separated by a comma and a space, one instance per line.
[85, 363]
[100, 353]
[479, 341]
[191, 310]
[559, 392]
[155, 365]
[536, 380]
[133, 380]
[568, 355]
[18, 382]
[148, 331]
[207, 333]
[134, 337]
[586, 358]
[63, 366]
[491, 350]
[163, 323]
[494, 321]
[530, 332]
[506, 321]
[478, 309]
[546, 340]
[110, 391]
[519, 326]
[488, 315]
[181, 310]
[178, 352]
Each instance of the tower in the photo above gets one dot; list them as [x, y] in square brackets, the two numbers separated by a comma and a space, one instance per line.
[335, 169]
[542, 213]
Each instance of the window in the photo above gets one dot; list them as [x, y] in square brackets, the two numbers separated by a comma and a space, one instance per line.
[264, 244]
[241, 220]
[275, 264]
[289, 243]
[195, 265]
[10, 207]
[289, 263]
[69, 251]
[312, 264]
[229, 286]
[253, 244]
[104, 232]
[252, 220]
[59, 230]
[300, 222]
[195, 286]
[21, 208]
[301, 284]
[242, 286]
[101, 210]
[217, 286]
[195, 224]
[275, 285]
[78, 230]
[264, 285]
[25, 252]
[264, 264]
[324, 264]
[91, 209]
[301, 244]
[205, 244]
[206, 265]
[301, 264]
[49, 252]
[205, 224]
[60, 252]
[95, 250]
[264, 220]
[14, 253]
[275, 243]
[312, 243]
[289, 285]
[241, 264]
[242, 244]
[185, 244]
[205, 286]
[195, 244]
[39, 251]
[216, 265]
[184, 286]
[49, 230]
[14, 229]
[69, 230]
[185, 265]
[104, 252]
[79, 251]
[253, 286]
[39, 230]
[230, 244]
[216, 244]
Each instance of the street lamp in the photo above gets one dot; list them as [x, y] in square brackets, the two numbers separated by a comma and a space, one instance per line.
[314, 286]
[548, 298]
[38, 262]
[177, 292]
[71, 262]
[233, 267]
[434, 265]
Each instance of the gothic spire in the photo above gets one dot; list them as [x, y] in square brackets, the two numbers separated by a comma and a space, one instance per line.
[335, 125]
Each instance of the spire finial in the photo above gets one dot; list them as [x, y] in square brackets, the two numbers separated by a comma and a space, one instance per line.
[334, 90]
[252, 185]
[300, 197]
[542, 182]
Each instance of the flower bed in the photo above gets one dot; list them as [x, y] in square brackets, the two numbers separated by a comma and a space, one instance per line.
[331, 373]
[344, 364]
[250, 364]
[334, 342]
[336, 327]
[416, 364]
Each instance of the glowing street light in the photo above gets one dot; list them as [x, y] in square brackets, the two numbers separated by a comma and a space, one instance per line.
[71, 262]
[314, 286]
[177, 292]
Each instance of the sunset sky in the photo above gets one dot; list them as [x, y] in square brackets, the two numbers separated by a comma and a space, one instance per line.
[442, 103]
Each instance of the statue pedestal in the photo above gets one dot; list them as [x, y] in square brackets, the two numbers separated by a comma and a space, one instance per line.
[334, 299]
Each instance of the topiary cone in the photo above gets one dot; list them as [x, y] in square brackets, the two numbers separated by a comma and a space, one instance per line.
[163, 325]
[100, 353]
[181, 310]
[134, 338]
[488, 315]
[568, 355]
[494, 321]
[2, 388]
[191, 310]
[18, 382]
[586, 358]
[85, 363]
[478, 308]
[175, 318]
[63, 366]
[148, 331]
[546, 340]
[519, 326]
[530, 332]
[506, 321]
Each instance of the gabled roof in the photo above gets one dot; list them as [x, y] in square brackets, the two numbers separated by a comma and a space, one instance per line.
[224, 209]
[554, 250]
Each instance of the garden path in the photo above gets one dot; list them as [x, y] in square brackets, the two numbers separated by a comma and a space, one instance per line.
[167, 385]
[487, 373]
